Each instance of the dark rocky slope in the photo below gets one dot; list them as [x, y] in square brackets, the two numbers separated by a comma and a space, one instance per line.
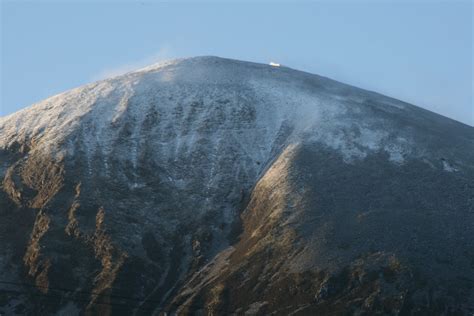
[214, 186]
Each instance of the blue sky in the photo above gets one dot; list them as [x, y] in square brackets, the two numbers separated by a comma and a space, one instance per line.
[419, 52]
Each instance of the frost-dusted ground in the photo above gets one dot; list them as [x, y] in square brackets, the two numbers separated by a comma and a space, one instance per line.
[137, 182]
[281, 96]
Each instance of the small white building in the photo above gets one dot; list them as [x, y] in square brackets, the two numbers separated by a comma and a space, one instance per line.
[274, 64]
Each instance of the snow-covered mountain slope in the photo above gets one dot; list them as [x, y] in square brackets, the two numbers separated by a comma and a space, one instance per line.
[125, 196]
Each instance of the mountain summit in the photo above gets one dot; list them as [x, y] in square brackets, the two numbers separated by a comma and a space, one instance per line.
[215, 186]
